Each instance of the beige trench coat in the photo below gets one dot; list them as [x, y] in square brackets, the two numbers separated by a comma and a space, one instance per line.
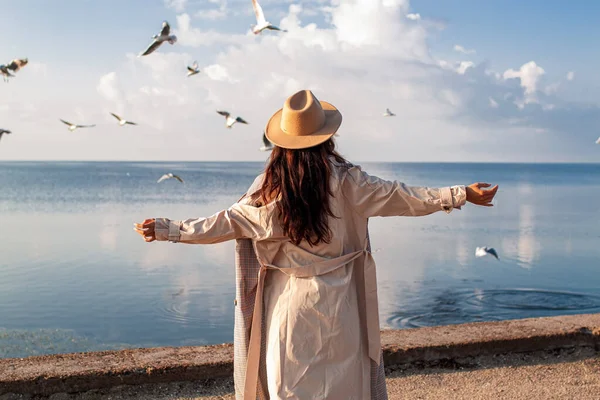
[319, 304]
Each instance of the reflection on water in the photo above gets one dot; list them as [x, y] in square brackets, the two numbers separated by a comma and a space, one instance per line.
[76, 277]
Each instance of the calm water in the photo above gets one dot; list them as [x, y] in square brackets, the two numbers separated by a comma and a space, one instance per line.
[74, 276]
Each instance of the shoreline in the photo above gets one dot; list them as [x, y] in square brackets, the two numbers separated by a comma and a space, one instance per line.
[424, 347]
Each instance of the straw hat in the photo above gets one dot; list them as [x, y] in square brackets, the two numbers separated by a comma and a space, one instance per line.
[303, 122]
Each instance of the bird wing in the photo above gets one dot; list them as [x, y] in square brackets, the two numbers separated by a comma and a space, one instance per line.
[17, 64]
[266, 141]
[260, 15]
[116, 116]
[191, 69]
[166, 29]
[223, 113]
[5, 71]
[65, 122]
[178, 178]
[153, 46]
[85, 126]
[13, 66]
[162, 178]
[493, 252]
[240, 120]
[130, 123]
[275, 28]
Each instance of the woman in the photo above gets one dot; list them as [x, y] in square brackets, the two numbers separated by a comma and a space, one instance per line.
[315, 285]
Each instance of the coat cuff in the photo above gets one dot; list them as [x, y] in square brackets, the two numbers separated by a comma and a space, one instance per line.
[165, 229]
[453, 197]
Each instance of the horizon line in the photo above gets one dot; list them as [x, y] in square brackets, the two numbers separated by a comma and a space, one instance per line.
[357, 161]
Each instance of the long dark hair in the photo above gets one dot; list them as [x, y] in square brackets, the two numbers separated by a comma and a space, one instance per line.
[299, 179]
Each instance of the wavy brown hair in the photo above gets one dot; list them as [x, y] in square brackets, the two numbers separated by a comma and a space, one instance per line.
[299, 179]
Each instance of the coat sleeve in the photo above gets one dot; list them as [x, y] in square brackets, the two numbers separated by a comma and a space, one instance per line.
[371, 196]
[237, 222]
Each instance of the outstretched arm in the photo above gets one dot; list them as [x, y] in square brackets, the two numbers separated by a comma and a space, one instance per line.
[371, 196]
[239, 221]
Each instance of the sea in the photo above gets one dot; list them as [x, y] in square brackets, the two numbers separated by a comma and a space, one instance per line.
[74, 276]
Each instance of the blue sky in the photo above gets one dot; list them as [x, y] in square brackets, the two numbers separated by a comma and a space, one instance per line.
[524, 88]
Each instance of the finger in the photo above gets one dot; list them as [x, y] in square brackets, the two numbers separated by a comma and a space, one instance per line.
[483, 185]
[148, 220]
[143, 232]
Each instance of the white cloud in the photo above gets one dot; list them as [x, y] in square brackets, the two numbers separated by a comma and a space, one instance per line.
[108, 87]
[414, 17]
[194, 37]
[463, 66]
[570, 75]
[177, 5]
[493, 103]
[529, 74]
[214, 13]
[461, 49]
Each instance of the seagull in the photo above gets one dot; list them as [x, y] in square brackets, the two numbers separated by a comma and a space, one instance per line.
[169, 176]
[388, 113]
[598, 141]
[163, 36]
[267, 146]
[484, 251]
[3, 131]
[261, 22]
[229, 120]
[193, 70]
[16, 64]
[122, 122]
[72, 127]
[5, 72]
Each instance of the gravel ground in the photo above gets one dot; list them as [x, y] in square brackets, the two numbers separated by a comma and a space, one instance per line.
[567, 374]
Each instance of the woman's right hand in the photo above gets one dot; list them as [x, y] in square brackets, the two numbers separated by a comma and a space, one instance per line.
[479, 196]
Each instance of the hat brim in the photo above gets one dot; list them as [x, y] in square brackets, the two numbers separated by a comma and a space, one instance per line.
[333, 120]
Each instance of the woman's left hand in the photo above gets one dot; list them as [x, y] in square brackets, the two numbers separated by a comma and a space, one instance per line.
[146, 229]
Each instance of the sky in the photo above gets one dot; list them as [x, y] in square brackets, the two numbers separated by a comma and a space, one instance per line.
[468, 80]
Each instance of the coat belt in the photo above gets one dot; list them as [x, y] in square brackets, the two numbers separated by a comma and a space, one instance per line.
[370, 311]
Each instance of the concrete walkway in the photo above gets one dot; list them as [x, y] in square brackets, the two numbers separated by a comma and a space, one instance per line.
[552, 357]
[564, 374]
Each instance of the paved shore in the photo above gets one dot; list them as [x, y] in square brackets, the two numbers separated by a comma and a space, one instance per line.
[545, 357]
[565, 374]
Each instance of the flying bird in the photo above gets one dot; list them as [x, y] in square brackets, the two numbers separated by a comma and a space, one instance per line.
[169, 176]
[484, 251]
[72, 127]
[193, 69]
[229, 120]
[388, 113]
[5, 72]
[122, 122]
[267, 146]
[261, 22]
[16, 64]
[163, 36]
[3, 131]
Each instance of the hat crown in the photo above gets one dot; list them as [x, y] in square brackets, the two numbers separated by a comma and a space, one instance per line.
[302, 114]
